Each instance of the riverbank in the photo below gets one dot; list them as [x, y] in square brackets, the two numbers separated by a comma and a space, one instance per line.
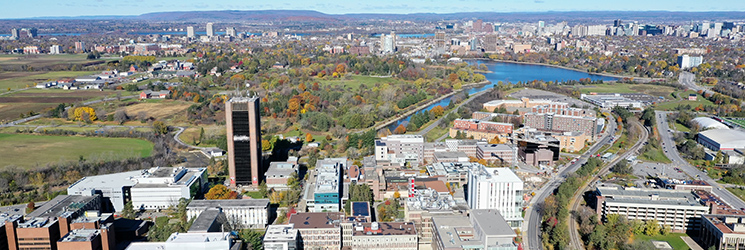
[425, 105]
[646, 79]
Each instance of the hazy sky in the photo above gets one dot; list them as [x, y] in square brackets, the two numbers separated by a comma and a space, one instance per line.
[40, 8]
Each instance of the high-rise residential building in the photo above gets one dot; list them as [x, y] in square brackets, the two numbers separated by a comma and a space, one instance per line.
[230, 31]
[79, 47]
[496, 188]
[440, 39]
[686, 61]
[190, 32]
[478, 25]
[617, 23]
[14, 34]
[210, 31]
[32, 32]
[243, 122]
[55, 49]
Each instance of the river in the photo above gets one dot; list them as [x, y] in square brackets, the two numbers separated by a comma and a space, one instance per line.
[513, 73]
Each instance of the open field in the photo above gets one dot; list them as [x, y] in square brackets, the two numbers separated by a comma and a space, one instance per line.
[674, 103]
[44, 60]
[739, 192]
[673, 238]
[27, 151]
[19, 81]
[38, 100]
[159, 110]
[357, 81]
[653, 90]
[13, 111]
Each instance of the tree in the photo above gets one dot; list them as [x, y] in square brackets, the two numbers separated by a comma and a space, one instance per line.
[308, 137]
[252, 238]
[652, 228]
[220, 192]
[78, 114]
[128, 212]
[438, 111]
[292, 181]
[266, 145]
[160, 128]
[400, 129]
[30, 207]
[396, 195]
[121, 116]
[263, 189]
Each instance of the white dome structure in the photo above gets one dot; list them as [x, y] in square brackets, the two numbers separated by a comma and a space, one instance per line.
[708, 123]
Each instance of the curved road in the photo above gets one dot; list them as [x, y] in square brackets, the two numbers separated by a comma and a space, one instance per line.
[575, 239]
[672, 153]
[534, 213]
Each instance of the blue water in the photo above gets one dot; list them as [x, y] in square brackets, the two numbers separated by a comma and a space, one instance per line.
[513, 73]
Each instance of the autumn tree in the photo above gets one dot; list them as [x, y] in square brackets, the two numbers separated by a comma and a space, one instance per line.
[308, 137]
[400, 129]
[220, 192]
[266, 145]
[160, 128]
[30, 207]
[437, 111]
[86, 114]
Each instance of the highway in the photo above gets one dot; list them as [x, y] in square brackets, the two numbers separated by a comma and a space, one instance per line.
[534, 212]
[668, 144]
[575, 239]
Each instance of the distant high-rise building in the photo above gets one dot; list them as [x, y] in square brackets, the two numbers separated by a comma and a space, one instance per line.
[14, 33]
[32, 32]
[617, 23]
[79, 47]
[388, 43]
[230, 31]
[55, 49]
[686, 61]
[243, 123]
[496, 188]
[210, 31]
[478, 25]
[190, 32]
[440, 39]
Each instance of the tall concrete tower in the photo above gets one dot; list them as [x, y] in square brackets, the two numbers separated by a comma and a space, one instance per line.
[210, 31]
[243, 123]
[190, 32]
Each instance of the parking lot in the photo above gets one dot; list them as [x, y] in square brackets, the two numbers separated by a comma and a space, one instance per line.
[646, 169]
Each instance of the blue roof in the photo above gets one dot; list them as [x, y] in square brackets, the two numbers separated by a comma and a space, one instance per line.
[360, 209]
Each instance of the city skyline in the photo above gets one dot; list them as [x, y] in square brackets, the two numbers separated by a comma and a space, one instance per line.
[48, 8]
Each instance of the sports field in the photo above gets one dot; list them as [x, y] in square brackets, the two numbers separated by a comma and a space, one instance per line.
[29, 151]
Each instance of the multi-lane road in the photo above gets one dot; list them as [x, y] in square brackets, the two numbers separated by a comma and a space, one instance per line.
[668, 144]
[534, 212]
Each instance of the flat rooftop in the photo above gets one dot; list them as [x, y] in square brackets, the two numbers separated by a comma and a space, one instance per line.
[281, 233]
[497, 174]
[62, 204]
[80, 235]
[205, 220]
[316, 220]
[445, 155]
[455, 231]
[328, 173]
[233, 203]
[492, 223]
[650, 196]
[384, 229]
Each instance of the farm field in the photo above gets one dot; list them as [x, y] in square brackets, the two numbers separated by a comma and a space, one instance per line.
[159, 110]
[37, 100]
[19, 80]
[28, 151]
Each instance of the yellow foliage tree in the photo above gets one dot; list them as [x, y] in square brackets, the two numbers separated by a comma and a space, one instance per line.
[81, 113]
[220, 192]
[308, 137]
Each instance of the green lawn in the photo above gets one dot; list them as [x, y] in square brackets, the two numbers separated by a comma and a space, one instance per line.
[653, 90]
[673, 238]
[357, 81]
[674, 103]
[32, 78]
[435, 133]
[739, 192]
[681, 127]
[27, 151]
[655, 155]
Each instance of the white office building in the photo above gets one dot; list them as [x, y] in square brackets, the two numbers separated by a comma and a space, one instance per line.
[281, 237]
[496, 188]
[248, 213]
[148, 189]
[210, 30]
[399, 149]
[55, 49]
[190, 241]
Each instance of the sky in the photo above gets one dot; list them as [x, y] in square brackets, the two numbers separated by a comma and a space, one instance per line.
[51, 8]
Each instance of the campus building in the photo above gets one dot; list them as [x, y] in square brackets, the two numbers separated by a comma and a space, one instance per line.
[400, 149]
[677, 209]
[326, 193]
[562, 123]
[318, 230]
[246, 213]
[482, 229]
[722, 231]
[243, 122]
[499, 189]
